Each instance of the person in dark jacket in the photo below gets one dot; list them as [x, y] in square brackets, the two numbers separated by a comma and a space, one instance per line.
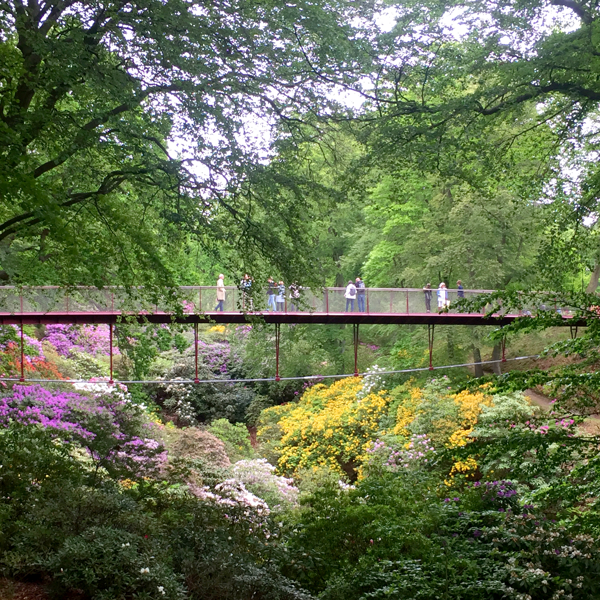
[427, 291]
[360, 294]
[245, 286]
[460, 289]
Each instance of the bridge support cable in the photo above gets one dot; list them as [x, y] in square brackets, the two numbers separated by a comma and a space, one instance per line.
[503, 345]
[277, 338]
[196, 380]
[22, 356]
[355, 337]
[110, 343]
[430, 332]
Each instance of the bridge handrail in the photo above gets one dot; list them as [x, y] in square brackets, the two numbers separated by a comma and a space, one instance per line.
[231, 287]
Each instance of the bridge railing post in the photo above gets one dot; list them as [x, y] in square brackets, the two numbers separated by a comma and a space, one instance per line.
[277, 338]
[327, 300]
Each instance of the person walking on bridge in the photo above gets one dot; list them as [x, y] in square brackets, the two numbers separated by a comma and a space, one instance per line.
[271, 294]
[460, 290]
[442, 294]
[360, 294]
[220, 293]
[350, 296]
[428, 293]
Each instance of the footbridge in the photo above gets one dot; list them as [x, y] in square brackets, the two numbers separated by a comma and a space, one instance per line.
[198, 304]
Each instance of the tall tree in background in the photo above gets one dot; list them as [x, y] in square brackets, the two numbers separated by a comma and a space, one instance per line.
[93, 97]
[458, 73]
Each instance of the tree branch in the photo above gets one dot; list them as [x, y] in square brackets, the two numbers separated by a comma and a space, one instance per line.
[109, 184]
[576, 8]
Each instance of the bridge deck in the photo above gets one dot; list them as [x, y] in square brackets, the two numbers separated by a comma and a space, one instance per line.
[266, 317]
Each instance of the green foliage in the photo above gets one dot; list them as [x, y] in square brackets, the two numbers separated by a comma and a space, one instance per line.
[235, 437]
[93, 191]
[109, 564]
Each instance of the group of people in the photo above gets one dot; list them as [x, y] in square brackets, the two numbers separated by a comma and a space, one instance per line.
[276, 300]
[355, 292]
[276, 296]
[443, 295]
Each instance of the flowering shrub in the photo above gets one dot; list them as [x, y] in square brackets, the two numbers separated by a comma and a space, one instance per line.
[189, 404]
[373, 381]
[35, 361]
[92, 339]
[109, 429]
[258, 476]
[417, 452]
[329, 426]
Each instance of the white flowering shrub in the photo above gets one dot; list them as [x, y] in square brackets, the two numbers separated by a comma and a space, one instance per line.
[417, 452]
[373, 381]
[179, 401]
[259, 477]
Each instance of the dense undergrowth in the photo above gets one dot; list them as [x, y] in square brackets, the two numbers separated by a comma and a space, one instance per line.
[363, 488]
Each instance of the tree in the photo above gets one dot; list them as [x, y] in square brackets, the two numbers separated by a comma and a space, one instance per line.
[125, 127]
[468, 79]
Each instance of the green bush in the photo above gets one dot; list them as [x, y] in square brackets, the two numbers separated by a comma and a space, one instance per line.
[235, 437]
[111, 564]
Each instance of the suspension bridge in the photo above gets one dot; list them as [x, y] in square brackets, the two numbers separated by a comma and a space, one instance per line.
[198, 304]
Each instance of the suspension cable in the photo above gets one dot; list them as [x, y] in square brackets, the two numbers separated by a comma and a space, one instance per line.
[265, 379]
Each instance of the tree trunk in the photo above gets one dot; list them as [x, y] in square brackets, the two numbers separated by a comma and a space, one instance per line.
[477, 361]
[497, 355]
[595, 277]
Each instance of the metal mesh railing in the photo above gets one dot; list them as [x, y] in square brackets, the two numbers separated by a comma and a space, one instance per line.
[50, 300]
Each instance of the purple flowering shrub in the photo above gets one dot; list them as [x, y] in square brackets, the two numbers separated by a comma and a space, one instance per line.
[91, 339]
[499, 495]
[111, 430]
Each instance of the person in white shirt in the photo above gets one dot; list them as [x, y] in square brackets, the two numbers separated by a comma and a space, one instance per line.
[442, 295]
[350, 296]
[220, 293]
